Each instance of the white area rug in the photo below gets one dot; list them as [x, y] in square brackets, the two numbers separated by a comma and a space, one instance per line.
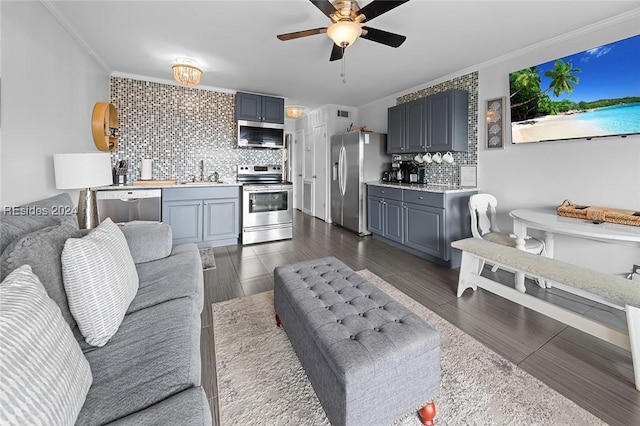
[261, 381]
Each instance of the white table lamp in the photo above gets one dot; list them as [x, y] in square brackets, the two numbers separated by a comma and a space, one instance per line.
[83, 171]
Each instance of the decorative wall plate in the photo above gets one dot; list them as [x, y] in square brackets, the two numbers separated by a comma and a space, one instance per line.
[104, 126]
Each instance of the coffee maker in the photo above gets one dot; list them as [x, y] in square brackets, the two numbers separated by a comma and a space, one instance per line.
[397, 174]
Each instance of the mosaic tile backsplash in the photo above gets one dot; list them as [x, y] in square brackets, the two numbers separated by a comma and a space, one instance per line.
[177, 127]
[449, 174]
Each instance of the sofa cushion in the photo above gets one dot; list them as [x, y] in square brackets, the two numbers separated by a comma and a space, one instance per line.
[41, 250]
[179, 275]
[100, 279]
[189, 407]
[154, 355]
[45, 377]
[147, 241]
[16, 222]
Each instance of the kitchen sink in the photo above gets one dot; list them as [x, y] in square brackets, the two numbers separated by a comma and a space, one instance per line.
[188, 182]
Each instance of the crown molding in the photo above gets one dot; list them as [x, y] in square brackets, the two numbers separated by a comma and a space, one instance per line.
[169, 82]
[73, 31]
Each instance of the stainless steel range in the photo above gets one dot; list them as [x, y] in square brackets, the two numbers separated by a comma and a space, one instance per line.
[267, 204]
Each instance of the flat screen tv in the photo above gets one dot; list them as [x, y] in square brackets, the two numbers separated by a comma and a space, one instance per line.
[590, 94]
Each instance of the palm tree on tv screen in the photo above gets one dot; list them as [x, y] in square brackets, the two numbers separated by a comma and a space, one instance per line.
[525, 89]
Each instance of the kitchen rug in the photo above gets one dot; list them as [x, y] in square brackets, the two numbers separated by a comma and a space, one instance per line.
[208, 259]
[261, 380]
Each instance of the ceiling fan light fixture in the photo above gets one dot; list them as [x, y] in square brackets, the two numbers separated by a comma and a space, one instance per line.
[344, 33]
[186, 72]
[294, 111]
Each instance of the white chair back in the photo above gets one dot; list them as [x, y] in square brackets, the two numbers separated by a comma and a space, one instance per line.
[483, 214]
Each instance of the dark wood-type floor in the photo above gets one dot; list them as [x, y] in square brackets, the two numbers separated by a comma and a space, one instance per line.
[596, 375]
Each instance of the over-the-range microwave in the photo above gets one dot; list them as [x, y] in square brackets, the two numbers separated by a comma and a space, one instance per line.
[255, 134]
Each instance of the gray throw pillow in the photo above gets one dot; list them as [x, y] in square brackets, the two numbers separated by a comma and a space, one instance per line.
[41, 250]
[20, 220]
[45, 376]
[100, 279]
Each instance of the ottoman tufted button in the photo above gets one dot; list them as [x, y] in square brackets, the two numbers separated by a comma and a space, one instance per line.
[347, 302]
[376, 329]
[339, 321]
[352, 337]
[361, 314]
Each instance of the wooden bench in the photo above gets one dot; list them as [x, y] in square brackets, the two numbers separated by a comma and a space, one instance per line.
[615, 291]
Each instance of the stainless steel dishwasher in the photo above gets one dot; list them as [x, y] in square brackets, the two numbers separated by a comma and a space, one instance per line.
[126, 205]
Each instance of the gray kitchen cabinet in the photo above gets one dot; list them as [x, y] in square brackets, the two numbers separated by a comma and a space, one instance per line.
[221, 219]
[415, 136]
[405, 128]
[434, 123]
[396, 129]
[421, 222]
[424, 229]
[375, 215]
[185, 219]
[207, 216]
[384, 212]
[253, 107]
[447, 121]
[393, 220]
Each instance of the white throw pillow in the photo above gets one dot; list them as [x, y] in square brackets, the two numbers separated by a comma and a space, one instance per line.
[100, 280]
[44, 376]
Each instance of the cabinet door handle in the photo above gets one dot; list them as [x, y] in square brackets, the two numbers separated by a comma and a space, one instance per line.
[382, 192]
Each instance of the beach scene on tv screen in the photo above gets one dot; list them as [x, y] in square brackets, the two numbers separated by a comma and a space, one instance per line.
[589, 94]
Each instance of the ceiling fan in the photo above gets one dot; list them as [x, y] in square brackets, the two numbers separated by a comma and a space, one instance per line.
[346, 24]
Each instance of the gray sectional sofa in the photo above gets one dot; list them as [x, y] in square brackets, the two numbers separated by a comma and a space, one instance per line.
[149, 373]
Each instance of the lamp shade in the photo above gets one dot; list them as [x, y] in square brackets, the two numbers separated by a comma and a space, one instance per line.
[83, 170]
[344, 33]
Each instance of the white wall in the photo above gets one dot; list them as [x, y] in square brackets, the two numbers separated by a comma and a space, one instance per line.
[49, 87]
[604, 171]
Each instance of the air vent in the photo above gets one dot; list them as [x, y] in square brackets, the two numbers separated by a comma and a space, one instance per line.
[344, 114]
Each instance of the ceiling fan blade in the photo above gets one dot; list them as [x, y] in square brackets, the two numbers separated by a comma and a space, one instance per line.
[325, 6]
[298, 34]
[384, 37]
[336, 52]
[378, 7]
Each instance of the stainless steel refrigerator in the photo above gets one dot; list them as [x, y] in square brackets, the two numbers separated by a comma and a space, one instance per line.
[356, 158]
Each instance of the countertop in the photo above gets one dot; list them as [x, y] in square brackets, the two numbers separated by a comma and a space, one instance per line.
[443, 189]
[160, 186]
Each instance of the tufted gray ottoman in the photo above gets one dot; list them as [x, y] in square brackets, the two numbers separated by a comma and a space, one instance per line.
[370, 360]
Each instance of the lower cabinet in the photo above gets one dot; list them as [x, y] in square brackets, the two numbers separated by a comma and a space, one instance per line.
[424, 229]
[421, 222]
[393, 220]
[207, 216]
[185, 219]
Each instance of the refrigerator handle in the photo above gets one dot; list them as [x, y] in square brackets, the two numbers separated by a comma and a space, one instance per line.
[344, 170]
[341, 170]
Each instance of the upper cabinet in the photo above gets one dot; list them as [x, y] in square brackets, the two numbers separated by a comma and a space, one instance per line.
[252, 107]
[435, 123]
[447, 124]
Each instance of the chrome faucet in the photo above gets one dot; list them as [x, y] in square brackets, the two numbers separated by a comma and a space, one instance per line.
[215, 177]
[201, 170]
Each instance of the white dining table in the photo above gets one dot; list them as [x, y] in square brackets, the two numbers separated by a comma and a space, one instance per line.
[551, 223]
[548, 221]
